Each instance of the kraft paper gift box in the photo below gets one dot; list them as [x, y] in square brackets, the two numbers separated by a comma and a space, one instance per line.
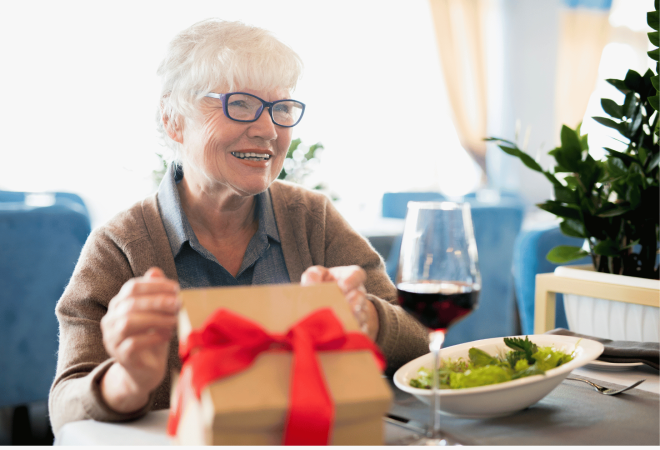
[250, 407]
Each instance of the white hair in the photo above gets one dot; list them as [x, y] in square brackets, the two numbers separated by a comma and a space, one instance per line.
[214, 53]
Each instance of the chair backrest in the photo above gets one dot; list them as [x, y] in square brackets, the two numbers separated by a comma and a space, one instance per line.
[72, 200]
[495, 230]
[529, 259]
[395, 204]
[39, 247]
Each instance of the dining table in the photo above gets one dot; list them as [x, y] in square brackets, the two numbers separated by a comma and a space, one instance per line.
[574, 413]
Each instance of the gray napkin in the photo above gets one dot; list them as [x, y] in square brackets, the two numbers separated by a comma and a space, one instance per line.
[621, 351]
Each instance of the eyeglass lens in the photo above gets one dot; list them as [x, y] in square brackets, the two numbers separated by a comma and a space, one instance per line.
[247, 107]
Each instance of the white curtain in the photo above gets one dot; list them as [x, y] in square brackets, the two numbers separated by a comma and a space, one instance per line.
[582, 36]
[459, 26]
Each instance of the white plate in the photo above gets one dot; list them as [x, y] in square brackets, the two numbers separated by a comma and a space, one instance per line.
[504, 398]
[613, 367]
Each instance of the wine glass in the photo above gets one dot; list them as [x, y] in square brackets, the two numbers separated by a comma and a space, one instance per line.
[438, 279]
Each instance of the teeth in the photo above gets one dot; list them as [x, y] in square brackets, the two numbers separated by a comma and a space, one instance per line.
[251, 156]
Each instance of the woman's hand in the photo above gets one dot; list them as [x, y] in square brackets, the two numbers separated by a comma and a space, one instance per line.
[136, 332]
[350, 280]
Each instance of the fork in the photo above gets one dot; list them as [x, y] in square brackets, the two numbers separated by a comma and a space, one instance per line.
[606, 390]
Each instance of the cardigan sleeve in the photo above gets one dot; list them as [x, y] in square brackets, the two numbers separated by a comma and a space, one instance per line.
[400, 336]
[82, 361]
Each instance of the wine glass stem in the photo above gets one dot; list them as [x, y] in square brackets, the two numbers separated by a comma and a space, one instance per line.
[436, 338]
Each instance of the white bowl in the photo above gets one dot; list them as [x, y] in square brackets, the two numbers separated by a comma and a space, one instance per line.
[504, 398]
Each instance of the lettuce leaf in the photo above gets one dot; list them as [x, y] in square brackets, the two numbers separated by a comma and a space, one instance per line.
[479, 376]
[548, 358]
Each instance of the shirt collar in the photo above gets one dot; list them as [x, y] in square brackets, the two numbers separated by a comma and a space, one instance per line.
[176, 223]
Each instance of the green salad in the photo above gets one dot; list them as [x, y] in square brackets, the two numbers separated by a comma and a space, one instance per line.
[523, 360]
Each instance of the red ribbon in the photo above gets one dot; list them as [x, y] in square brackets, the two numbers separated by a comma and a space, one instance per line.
[228, 343]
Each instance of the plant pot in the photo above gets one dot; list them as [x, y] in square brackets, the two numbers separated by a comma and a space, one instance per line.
[606, 318]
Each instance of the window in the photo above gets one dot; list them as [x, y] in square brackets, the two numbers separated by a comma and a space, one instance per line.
[81, 91]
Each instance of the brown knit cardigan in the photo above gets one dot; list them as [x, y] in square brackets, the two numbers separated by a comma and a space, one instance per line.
[312, 232]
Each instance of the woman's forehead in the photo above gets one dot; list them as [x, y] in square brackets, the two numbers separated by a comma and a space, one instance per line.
[268, 94]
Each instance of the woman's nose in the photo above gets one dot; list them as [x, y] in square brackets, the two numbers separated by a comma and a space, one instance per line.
[263, 127]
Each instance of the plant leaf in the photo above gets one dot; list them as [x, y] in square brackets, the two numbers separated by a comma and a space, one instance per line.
[565, 253]
[558, 210]
[584, 142]
[635, 124]
[552, 179]
[570, 140]
[622, 156]
[619, 84]
[654, 102]
[634, 81]
[653, 162]
[574, 228]
[629, 105]
[617, 167]
[634, 196]
[606, 248]
[509, 150]
[564, 194]
[612, 211]
[653, 37]
[607, 122]
[611, 107]
[529, 162]
[652, 19]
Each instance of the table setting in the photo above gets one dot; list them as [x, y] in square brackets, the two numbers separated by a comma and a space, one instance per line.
[573, 413]
[556, 388]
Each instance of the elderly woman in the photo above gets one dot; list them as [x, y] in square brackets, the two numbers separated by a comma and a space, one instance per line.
[219, 218]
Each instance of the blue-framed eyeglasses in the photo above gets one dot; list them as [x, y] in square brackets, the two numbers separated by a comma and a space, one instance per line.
[244, 107]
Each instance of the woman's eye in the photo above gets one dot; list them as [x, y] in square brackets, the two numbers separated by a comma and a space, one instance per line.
[238, 104]
[280, 108]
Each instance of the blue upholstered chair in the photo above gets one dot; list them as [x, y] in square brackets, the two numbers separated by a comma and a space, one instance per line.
[496, 226]
[529, 259]
[395, 204]
[39, 247]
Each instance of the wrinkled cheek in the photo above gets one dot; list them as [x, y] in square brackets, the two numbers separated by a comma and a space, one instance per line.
[213, 150]
[213, 156]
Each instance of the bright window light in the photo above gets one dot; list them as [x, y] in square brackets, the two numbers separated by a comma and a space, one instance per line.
[81, 91]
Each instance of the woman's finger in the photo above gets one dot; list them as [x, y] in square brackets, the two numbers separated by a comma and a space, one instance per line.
[348, 277]
[314, 275]
[157, 303]
[357, 302]
[155, 272]
[149, 286]
[117, 330]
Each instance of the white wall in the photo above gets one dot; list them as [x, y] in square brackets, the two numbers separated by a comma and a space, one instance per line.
[530, 34]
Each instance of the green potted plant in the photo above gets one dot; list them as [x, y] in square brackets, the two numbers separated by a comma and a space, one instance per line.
[613, 203]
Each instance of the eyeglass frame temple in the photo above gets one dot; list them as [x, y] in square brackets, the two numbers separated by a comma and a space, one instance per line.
[264, 104]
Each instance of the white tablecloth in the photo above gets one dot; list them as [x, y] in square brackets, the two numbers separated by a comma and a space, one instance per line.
[150, 430]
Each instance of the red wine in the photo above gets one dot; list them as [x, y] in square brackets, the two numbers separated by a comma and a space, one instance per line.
[438, 304]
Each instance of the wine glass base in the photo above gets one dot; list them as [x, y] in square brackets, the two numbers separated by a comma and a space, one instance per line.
[421, 440]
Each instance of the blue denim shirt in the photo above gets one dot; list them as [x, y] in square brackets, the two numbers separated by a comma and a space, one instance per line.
[263, 262]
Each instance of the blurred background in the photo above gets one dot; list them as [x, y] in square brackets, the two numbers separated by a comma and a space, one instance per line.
[80, 89]
[427, 79]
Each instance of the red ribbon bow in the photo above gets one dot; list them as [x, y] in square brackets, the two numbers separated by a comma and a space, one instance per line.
[228, 343]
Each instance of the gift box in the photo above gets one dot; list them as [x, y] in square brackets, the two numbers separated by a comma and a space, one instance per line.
[274, 398]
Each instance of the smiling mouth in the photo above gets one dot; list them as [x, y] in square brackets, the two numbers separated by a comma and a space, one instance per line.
[251, 156]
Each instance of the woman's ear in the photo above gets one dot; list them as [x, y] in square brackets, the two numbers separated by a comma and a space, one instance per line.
[173, 128]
